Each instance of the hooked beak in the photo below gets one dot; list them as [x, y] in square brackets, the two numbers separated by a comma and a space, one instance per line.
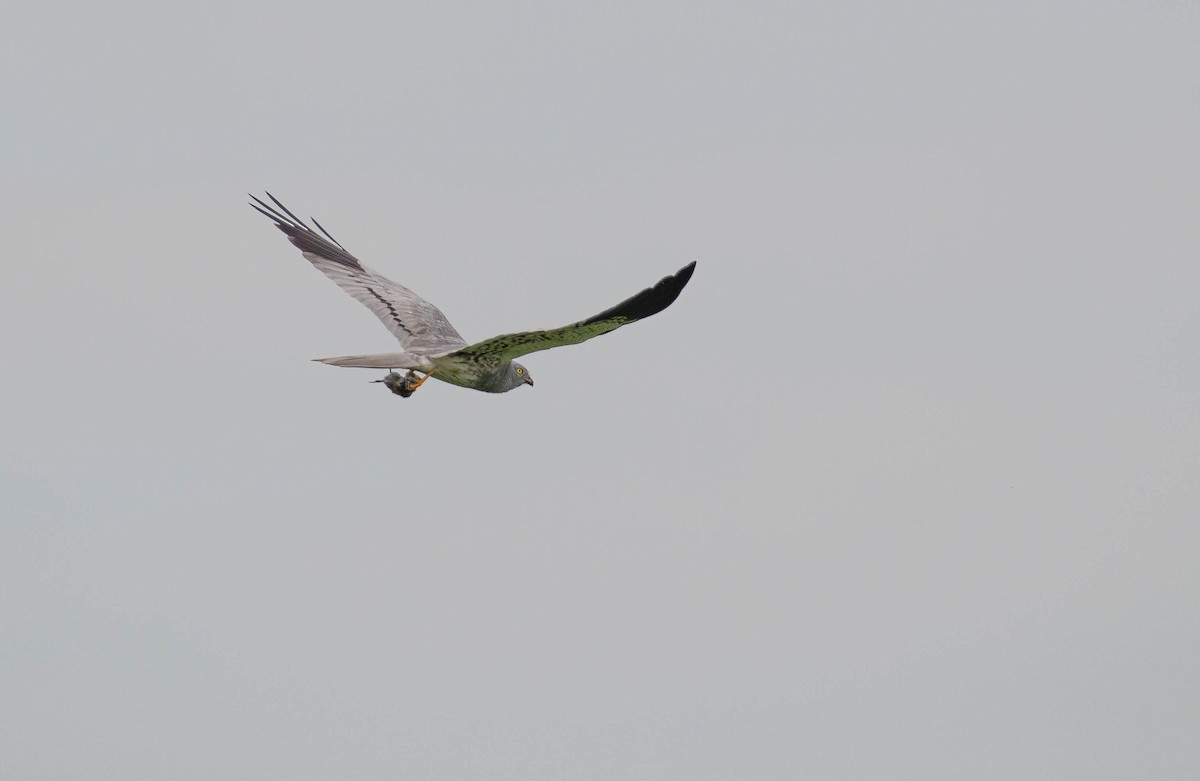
[528, 380]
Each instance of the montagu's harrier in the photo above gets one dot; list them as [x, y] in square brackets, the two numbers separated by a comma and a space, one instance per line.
[430, 344]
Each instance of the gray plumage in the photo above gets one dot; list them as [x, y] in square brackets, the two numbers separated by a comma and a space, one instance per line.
[429, 343]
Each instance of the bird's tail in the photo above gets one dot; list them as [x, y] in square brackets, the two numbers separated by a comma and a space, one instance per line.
[380, 361]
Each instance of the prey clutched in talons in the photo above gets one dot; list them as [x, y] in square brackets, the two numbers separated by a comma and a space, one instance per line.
[402, 385]
[419, 382]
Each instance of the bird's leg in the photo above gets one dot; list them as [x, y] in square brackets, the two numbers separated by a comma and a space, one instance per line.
[412, 386]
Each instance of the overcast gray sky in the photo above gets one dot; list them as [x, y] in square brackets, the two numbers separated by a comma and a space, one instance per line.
[904, 486]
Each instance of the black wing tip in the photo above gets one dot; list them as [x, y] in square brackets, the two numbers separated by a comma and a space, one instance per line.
[303, 237]
[290, 224]
[650, 301]
[655, 299]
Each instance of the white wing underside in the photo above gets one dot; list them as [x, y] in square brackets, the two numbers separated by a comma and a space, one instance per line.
[418, 325]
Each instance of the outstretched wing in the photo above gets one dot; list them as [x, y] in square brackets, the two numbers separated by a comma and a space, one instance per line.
[420, 327]
[650, 301]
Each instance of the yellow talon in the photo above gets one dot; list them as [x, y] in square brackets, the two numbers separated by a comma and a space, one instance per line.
[420, 382]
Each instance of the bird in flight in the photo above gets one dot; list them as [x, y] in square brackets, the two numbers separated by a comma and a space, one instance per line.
[430, 346]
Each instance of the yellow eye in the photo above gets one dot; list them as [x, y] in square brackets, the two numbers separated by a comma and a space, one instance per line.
[520, 371]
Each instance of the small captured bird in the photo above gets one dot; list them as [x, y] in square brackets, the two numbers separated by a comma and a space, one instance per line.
[431, 347]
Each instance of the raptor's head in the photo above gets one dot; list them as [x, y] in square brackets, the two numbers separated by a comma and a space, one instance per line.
[518, 375]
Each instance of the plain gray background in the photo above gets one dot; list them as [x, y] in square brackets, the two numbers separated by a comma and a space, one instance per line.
[904, 485]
